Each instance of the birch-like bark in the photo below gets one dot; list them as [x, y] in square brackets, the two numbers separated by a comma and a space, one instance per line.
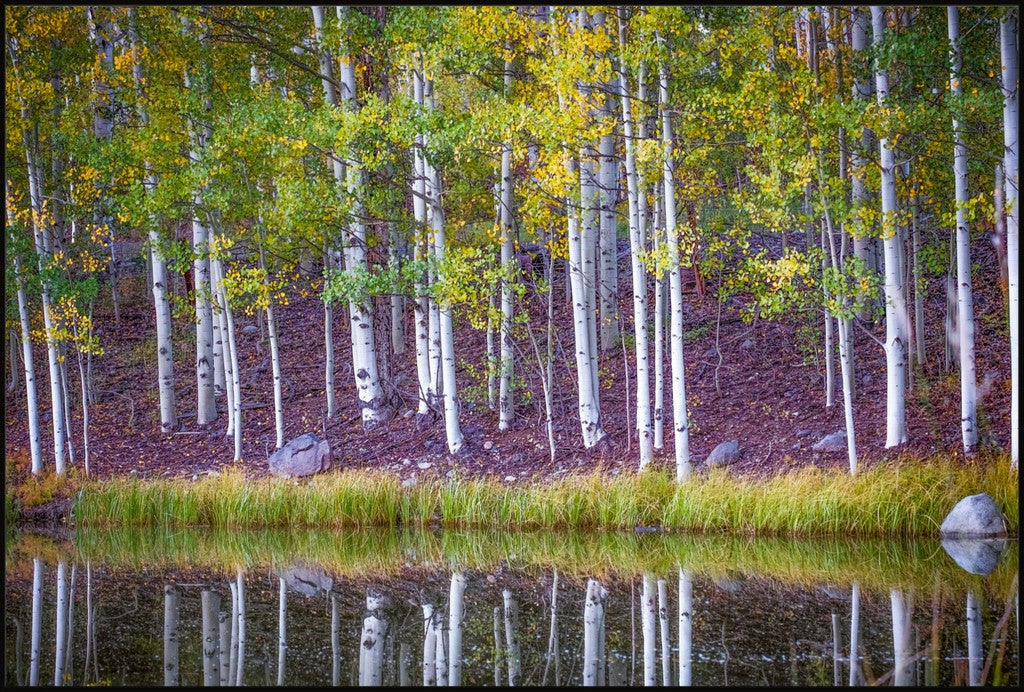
[449, 392]
[964, 294]
[36, 636]
[456, 617]
[638, 245]
[199, 134]
[429, 646]
[895, 300]
[211, 638]
[1008, 41]
[371, 643]
[685, 628]
[607, 192]
[854, 633]
[275, 359]
[335, 640]
[975, 643]
[666, 654]
[43, 244]
[61, 624]
[593, 615]
[232, 668]
[32, 406]
[506, 408]
[861, 93]
[512, 650]
[553, 654]
[648, 614]
[224, 626]
[232, 351]
[395, 260]
[440, 659]
[680, 420]
[282, 635]
[427, 336]
[902, 632]
[158, 265]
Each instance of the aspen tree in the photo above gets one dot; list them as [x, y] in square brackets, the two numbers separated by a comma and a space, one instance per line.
[1009, 47]
[506, 407]
[964, 294]
[895, 301]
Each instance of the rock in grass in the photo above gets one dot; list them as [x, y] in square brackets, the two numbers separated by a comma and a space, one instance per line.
[836, 442]
[975, 516]
[302, 456]
[975, 555]
[724, 454]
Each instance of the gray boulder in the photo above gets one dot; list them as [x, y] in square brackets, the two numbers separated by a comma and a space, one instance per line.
[975, 555]
[302, 456]
[836, 442]
[975, 516]
[724, 454]
[308, 581]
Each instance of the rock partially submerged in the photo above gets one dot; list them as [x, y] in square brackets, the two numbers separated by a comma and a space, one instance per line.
[302, 456]
[308, 581]
[975, 516]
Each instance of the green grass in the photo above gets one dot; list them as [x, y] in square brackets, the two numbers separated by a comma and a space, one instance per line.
[899, 499]
[877, 565]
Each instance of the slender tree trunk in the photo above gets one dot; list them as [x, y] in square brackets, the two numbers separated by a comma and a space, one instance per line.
[506, 406]
[456, 617]
[964, 294]
[211, 638]
[62, 624]
[43, 251]
[830, 377]
[895, 300]
[1009, 47]
[36, 651]
[512, 651]
[638, 246]
[648, 614]
[902, 629]
[371, 645]
[395, 260]
[282, 633]
[680, 420]
[275, 361]
[666, 654]
[593, 615]
[607, 193]
[429, 646]
[922, 357]
[862, 243]
[553, 650]
[854, 633]
[975, 643]
[32, 406]
[685, 627]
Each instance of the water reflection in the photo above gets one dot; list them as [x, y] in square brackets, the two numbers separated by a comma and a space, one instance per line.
[534, 617]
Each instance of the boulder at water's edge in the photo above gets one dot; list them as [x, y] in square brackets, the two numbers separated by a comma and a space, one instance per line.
[302, 456]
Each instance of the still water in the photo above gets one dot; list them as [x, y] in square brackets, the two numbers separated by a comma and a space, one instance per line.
[317, 609]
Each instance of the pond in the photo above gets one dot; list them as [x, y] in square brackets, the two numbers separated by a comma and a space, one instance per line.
[126, 607]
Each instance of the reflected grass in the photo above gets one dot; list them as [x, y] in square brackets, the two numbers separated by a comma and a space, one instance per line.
[874, 563]
[906, 499]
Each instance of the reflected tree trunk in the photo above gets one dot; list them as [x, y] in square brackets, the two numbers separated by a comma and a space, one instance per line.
[512, 638]
[233, 644]
[172, 601]
[497, 646]
[666, 655]
[68, 674]
[19, 644]
[282, 638]
[456, 615]
[553, 653]
[974, 640]
[902, 608]
[854, 632]
[647, 617]
[62, 624]
[240, 587]
[37, 622]
[224, 625]
[335, 640]
[403, 665]
[440, 659]
[685, 627]
[371, 643]
[211, 638]
[593, 616]
[837, 656]
[429, 646]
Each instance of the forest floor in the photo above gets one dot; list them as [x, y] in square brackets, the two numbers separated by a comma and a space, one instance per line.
[760, 384]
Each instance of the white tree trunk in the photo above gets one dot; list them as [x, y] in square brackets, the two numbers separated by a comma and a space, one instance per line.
[282, 637]
[895, 301]
[211, 638]
[975, 641]
[553, 654]
[449, 391]
[593, 617]
[440, 660]
[964, 294]
[1009, 47]
[62, 624]
[638, 245]
[30, 372]
[512, 652]
[371, 643]
[43, 251]
[854, 633]
[506, 408]
[680, 420]
[648, 614]
[36, 636]
[902, 638]
[206, 407]
[666, 654]
[456, 617]
[395, 260]
[685, 628]
[609, 264]
[235, 399]
[429, 646]
[275, 362]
